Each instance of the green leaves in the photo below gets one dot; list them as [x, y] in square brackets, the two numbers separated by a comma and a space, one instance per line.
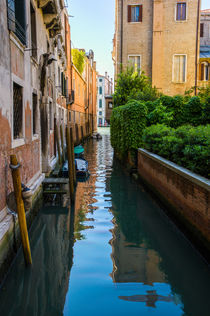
[78, 59]
[127, 125]
[187, 146]
[130, 86]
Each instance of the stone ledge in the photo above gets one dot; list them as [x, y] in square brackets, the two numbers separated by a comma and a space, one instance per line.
[195, 178]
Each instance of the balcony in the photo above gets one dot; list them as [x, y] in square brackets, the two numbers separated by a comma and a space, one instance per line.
[52, 20]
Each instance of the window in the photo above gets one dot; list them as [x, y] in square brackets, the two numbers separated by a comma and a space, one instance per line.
[179, 68]
[99, 121]
[201, 29]
[134, 61]
[135, 13]
[34, 109]
[16, 18]
[100, 80]
[181, 11]
[100, 90]
[110, 105]
[204, 71]
[17, 111]
[100, 112]
[50, 116]
[33, 32]
[100, 103]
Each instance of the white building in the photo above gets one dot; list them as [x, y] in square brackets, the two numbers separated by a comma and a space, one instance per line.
[105, 87]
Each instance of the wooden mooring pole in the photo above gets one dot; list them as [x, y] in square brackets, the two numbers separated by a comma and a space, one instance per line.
[70, 164]
[72, 152]
[62, 143]
[58, 146]
[20, 209]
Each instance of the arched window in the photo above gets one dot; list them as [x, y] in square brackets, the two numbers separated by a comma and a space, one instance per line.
[204, 71]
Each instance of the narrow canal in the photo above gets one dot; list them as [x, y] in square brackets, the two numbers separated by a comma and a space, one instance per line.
[119, 254]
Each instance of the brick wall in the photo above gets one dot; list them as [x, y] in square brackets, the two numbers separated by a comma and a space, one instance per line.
[186, 192]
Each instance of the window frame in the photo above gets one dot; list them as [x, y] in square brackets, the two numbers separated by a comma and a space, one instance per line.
[135, 55]
[16, 142]
[129, 13]
[173, 80]
[205, 66]
[176, 11]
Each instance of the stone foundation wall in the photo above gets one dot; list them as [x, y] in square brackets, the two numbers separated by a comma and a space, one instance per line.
[186, 192]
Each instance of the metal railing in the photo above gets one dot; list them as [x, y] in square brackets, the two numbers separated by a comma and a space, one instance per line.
[13, 24]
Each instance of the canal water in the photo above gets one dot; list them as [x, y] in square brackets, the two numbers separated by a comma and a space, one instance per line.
[115, 253]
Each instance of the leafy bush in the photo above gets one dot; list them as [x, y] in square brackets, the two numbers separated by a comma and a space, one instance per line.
[127, 125]
[187, 146]
[130, 86]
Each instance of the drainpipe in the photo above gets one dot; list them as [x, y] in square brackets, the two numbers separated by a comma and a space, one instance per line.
[121, 38]
[196, 47]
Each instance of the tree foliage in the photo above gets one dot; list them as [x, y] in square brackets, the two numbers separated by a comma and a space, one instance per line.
[78, 58]
[127, 125]
[130, 85]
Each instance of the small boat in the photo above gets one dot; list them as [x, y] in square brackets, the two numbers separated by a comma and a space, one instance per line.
[81, 166]
[78, 151]
[96, 136]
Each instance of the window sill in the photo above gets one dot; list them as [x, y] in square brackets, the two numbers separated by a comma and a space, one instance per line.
[181, 21]
[134, 22]
[16, 41]
[174, 82]
[18, 142]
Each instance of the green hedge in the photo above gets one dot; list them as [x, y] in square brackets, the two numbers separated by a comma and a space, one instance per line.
[127, 125]
[187, 146]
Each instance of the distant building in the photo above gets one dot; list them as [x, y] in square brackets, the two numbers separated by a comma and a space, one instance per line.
[204, 62]
[105, 88]
[161, 38]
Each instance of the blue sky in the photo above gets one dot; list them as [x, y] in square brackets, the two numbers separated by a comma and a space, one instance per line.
[92, 27]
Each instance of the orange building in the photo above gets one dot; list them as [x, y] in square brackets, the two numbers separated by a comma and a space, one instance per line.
[82, 110]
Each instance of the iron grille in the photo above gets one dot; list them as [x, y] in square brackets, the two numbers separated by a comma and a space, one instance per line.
[16, 18]
[34, 113]
[17, 111]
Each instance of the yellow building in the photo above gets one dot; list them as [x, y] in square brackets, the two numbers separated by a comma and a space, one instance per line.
[204, 62]
[161, 38]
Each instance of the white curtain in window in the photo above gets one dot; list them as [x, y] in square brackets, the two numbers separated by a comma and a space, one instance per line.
[179, 68]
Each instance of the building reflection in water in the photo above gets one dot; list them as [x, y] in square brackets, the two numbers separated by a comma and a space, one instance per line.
[32, 291]
[147, 249]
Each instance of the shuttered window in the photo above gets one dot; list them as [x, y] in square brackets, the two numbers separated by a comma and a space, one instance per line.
[181, 11]
[179, 68]
[135, 13]
[201, 29]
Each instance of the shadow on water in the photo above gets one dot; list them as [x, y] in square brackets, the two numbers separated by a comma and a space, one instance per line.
[114, 253]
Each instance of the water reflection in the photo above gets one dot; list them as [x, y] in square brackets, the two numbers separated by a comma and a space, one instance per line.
[148, 249]
[114, 254]
[41, 289]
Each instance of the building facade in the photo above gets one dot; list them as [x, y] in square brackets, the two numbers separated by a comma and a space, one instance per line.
[160, 38]
[105, 88]
[204, 62]
[36, 96]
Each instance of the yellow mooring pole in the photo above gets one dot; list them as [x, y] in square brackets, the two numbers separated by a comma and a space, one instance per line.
[70, 164]
[14, 165]
[72, 152]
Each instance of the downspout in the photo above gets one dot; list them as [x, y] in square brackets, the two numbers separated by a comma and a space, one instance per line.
[196, 48]
[121, 38]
